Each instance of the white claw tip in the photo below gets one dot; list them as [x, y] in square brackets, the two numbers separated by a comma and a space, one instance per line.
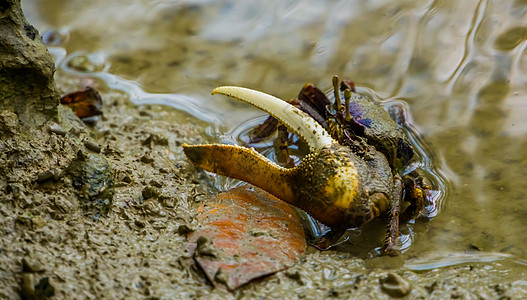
[293, 118]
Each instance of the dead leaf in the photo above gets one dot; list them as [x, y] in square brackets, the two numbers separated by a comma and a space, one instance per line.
[246, 233]
[85, 103]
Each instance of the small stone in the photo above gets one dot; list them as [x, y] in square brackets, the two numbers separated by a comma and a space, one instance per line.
[395, 285]
[28, 285]
[31, 264]
[91, 176]
[93, 146]
[293, 274]
[48, 175]
[146, 159]
[222, 277]
[45, 176]
[205, 247]
[38, 221]
[184, 229]
[41, 290]
[127, 179]
[150, 192]
[139, 224]
[8, 123]
[56, 129]
[83, 63]
[44, 289]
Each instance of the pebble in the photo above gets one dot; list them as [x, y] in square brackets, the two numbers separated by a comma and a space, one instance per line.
[395, 285]
[93, 146]
[49, 174]
[45, 176]
[56, 129]
[31, 289]
[205, 247]
[31, 264]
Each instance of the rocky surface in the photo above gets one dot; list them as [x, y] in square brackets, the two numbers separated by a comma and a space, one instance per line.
[26, 69]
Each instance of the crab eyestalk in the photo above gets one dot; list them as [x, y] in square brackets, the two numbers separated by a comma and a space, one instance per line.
[336, 83]
[347, 97]
[326, 184]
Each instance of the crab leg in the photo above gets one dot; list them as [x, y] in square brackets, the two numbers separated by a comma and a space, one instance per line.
[392, 231]
[283, 146]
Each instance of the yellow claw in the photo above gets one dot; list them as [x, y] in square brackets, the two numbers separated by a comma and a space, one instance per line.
[243, 164]
[326, 184]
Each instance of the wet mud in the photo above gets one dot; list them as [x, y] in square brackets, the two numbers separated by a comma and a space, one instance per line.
[59, 239]
[460, 73]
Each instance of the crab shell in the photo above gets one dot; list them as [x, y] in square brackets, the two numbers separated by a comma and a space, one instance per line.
[332, 183]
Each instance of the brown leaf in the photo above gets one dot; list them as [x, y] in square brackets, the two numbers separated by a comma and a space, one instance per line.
[85, 103]
[246, 233]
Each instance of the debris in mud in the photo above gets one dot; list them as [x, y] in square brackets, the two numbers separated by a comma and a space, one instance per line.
[395, 285]
[245, 233]
[31, 289]
[86, 103]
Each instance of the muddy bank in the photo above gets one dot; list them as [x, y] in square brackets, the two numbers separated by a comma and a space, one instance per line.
[53, 232]
[54, 244]
[102, 211]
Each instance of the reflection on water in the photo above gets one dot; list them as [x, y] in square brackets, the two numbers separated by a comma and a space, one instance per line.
[460, 66]
[451, 258]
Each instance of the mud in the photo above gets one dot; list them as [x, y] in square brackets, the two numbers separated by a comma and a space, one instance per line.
[52, 246]
[51, 234]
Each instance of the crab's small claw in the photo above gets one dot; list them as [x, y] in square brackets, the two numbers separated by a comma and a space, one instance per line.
[243, 164]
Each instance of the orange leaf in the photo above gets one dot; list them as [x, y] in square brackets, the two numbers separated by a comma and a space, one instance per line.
[249, 234]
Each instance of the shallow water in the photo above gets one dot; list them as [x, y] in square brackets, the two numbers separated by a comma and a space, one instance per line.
[460, 65]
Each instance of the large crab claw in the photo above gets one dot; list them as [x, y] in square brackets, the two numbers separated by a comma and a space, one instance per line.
[326, 184]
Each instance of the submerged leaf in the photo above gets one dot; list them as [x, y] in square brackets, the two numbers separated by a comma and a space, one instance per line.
[246, 233]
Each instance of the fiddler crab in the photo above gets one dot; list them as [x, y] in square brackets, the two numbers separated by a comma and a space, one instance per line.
[351, 174]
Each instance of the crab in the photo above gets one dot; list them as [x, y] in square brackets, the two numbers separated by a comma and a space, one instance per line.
[352, 173]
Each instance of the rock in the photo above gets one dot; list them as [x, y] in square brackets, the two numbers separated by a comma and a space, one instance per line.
[205, 247]
[44, 176]
[56, 129]
[8, 123]
[395, 285]
[31, 264]
[93, 146]
[26, 69]
[92, 177]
